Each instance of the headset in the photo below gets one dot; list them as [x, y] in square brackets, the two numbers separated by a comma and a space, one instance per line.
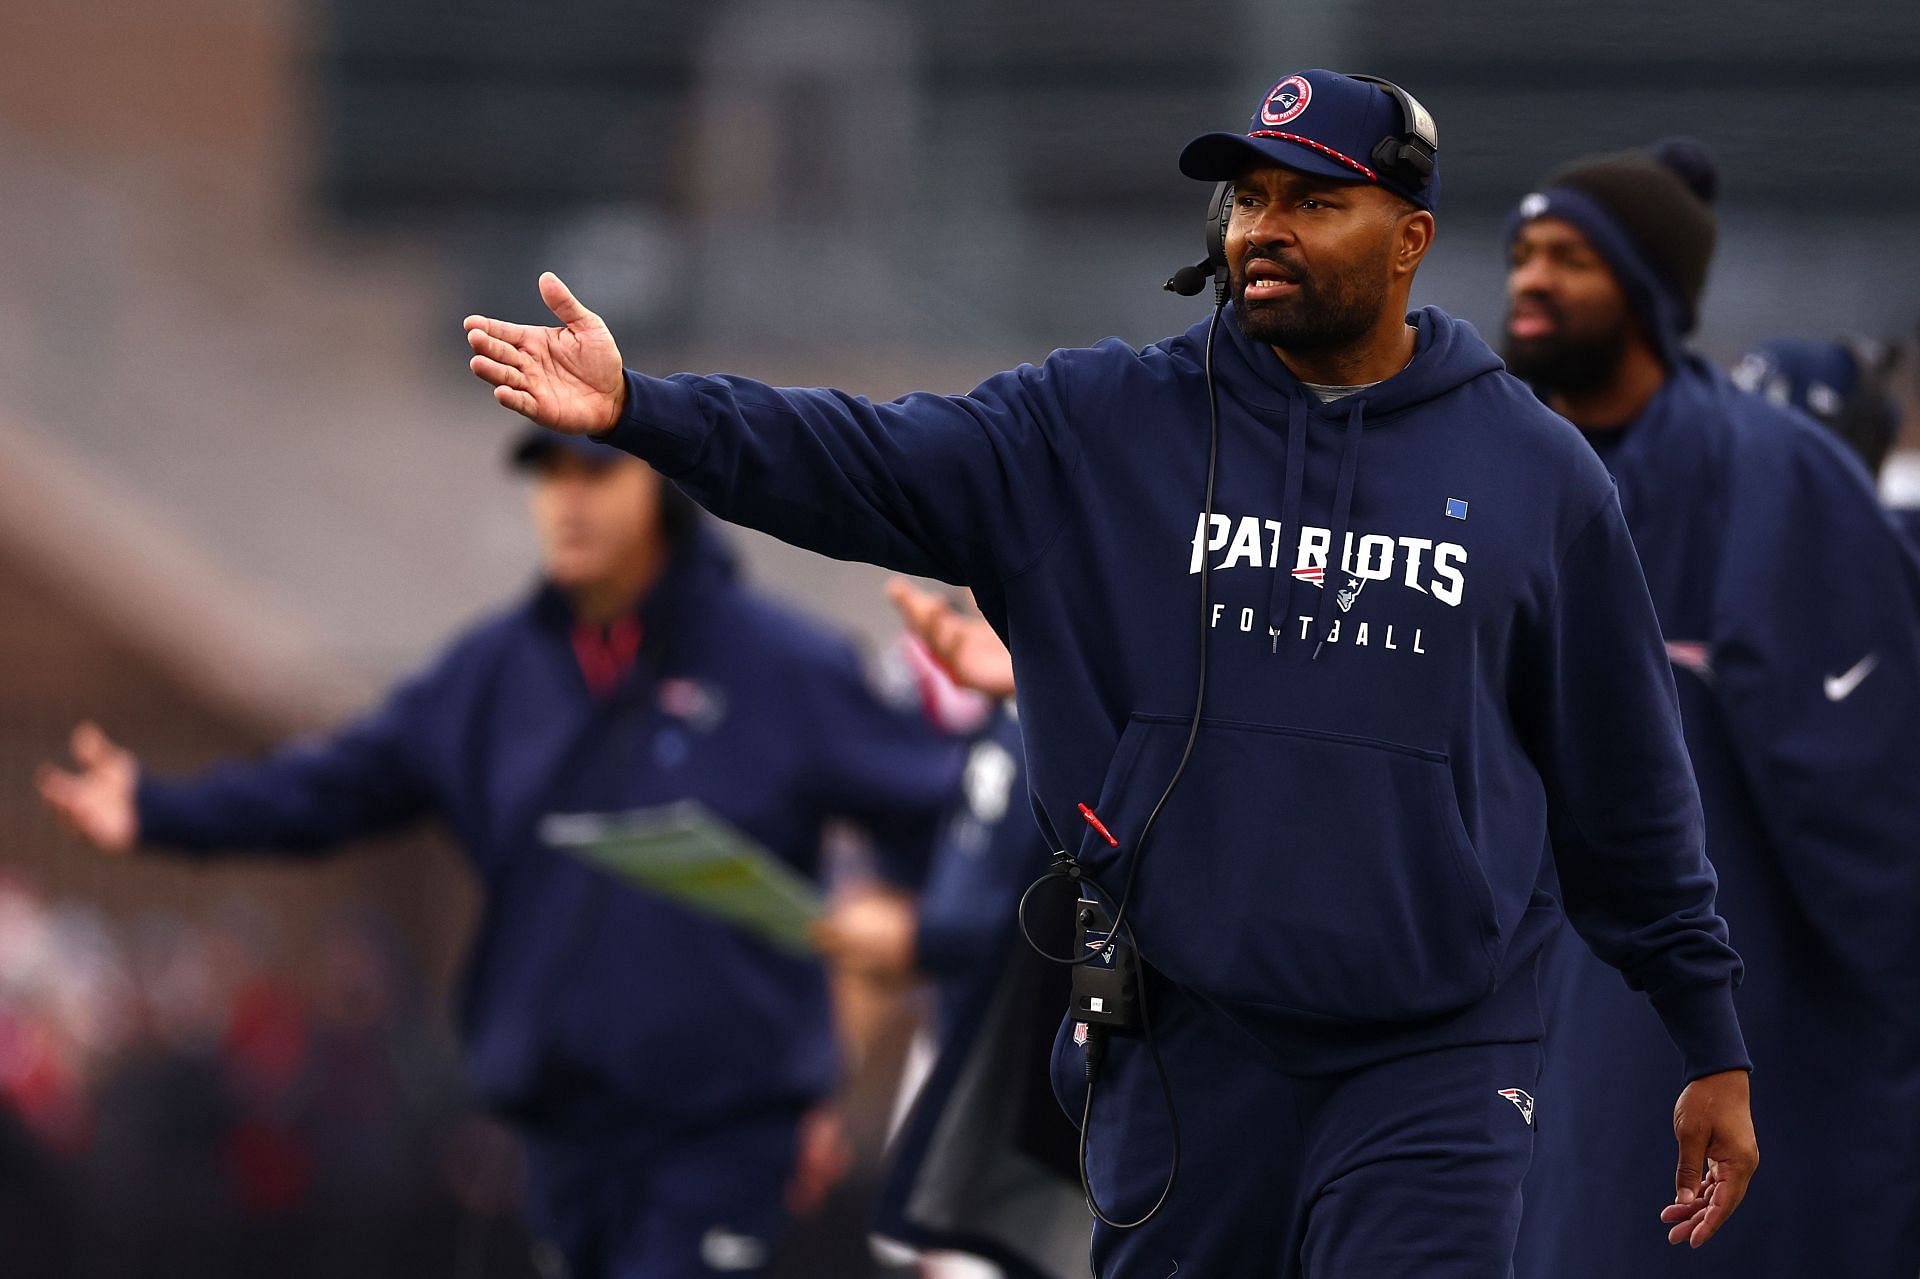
[1109, 982]
[1407, 157]
[1189, 280]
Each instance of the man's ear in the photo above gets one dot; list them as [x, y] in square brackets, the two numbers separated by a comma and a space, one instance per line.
[1413, 233]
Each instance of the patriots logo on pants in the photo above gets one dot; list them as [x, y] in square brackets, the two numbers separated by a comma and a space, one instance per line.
[1523, 1099]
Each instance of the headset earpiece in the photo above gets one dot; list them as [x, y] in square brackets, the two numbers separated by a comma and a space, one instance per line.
[1219, 215]
[1409, 155]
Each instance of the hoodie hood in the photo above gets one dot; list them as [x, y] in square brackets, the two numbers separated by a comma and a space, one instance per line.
[1447, 354]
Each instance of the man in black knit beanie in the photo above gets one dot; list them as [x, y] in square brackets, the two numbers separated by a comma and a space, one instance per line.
[1792, 617]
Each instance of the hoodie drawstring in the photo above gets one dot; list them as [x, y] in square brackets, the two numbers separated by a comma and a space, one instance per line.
[1330, 584]
[1280, 594]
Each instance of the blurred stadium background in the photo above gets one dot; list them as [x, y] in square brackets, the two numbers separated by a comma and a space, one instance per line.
[245, 479]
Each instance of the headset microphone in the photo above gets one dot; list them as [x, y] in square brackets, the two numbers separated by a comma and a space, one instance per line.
[1189, 280]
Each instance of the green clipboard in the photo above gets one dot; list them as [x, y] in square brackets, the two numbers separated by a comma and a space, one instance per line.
[687, 854]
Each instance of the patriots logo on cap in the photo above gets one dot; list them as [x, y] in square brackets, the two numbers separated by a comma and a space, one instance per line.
[1285, 101]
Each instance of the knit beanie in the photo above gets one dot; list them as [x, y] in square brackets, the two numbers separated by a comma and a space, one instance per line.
[1649, 215]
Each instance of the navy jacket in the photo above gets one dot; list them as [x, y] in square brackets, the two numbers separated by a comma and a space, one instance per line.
[1792, 612]
[1357, 856]
[588, 1003]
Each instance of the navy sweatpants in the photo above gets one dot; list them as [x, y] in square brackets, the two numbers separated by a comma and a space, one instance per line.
[626, 1204]
[1411, 1166]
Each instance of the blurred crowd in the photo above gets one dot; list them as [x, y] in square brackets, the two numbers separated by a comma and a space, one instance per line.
[175, 1099]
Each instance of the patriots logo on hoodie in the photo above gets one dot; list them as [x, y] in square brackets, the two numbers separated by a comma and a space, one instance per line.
[1347, 594]
[1523, 1099]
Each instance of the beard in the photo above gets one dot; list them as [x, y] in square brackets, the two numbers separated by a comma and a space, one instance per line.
[1570, 360]
[1324, 313]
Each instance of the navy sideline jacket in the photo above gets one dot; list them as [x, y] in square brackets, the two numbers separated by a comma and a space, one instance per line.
[1396, 736]
[587, 1003]
[1792, 613]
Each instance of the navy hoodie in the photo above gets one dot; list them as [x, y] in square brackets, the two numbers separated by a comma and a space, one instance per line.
[1357, 856]
[587, 1003]
[1792, 611]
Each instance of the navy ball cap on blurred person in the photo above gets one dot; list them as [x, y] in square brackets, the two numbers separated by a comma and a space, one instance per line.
[536, 444]
[1842, 385]
[1318, 122]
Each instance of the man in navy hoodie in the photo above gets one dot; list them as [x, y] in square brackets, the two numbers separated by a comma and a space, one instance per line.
[1429, 662]
[1792, 616]
[660, 1064]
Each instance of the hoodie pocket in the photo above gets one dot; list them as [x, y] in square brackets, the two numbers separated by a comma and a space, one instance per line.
[1302, 871]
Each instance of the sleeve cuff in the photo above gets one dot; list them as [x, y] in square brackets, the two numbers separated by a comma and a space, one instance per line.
[662, 425]
[1702, 1023]
[163, 817]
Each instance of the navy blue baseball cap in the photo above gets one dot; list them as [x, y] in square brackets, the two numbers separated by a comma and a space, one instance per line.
[536, 444]
[1327, 124]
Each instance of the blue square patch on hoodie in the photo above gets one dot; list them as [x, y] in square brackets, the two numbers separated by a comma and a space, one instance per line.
[1456, 509]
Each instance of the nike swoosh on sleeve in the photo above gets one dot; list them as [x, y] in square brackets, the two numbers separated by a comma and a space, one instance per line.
[1840, 687]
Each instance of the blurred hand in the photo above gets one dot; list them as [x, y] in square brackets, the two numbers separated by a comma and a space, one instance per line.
[870, 932]
[569, 379]
[822, 1158]
[1713, 1122]
[966, 647]
[97, 802]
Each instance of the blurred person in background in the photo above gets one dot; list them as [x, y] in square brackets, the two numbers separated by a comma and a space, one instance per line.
[1844, 387]
[1792, 616]
[983, 1163]
[667, 1071]
[1335, 1020]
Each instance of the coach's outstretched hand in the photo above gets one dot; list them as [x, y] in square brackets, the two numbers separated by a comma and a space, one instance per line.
[568, 378]
[1713, 1122]
[97, 802]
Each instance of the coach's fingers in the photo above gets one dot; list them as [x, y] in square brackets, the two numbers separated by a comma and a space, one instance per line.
[497, 373]
[505, 330]
[1685, 1212]
[560, 300]
[1723, 1197]
[59, 788]
[493, 348]
[919, 609]
[1690, 1171]
[92, 747]
[67, 797]
[952, 633]
[519, 401]
[1680, 1219]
